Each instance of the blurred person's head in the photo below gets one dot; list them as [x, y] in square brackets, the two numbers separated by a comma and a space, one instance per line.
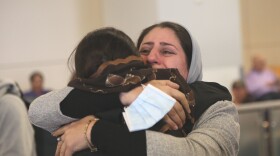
[258, 62]
[239, 92]
[36, 80]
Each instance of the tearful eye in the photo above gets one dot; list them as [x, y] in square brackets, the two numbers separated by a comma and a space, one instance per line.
[144, 52]
[167, 52]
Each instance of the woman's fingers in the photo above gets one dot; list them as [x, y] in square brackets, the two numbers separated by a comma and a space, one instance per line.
[172, 125]
[172, 84]
[179, 96]
[176, 117]
[180, 111]
[73, 138]
[68, 149]
[169, 83]
[173, 92]
[62, 149]
[57, 152]
[68, 153]
[127, 98]
[60, 131]
[165, 128]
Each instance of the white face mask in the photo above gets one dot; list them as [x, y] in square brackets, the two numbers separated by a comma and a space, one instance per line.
[149, 107]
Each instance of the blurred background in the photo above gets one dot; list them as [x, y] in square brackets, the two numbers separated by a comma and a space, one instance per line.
[39, 35]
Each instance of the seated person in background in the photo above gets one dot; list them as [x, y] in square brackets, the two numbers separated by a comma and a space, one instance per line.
[261, 82]
[240, 93]
[16, 132]
[37, 87]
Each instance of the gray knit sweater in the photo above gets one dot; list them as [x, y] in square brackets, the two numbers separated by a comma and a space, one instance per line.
[216, 133]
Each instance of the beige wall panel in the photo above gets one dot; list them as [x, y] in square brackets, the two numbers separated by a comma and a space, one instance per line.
[40, 35]
[89, 15]
[261, 30]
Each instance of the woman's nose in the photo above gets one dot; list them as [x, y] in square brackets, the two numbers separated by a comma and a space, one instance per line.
[152, 58]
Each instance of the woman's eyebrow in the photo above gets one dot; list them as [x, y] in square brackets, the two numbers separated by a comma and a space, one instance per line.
[168, 44]
[148, 43]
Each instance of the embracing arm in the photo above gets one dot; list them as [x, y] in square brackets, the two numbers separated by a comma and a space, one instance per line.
[216, 133]
[45, 111]
[54, 109]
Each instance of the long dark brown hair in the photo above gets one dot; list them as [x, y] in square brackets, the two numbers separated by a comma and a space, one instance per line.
[97, 47]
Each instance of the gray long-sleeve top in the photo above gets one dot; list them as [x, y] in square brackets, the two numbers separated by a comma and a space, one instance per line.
[216, 133]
